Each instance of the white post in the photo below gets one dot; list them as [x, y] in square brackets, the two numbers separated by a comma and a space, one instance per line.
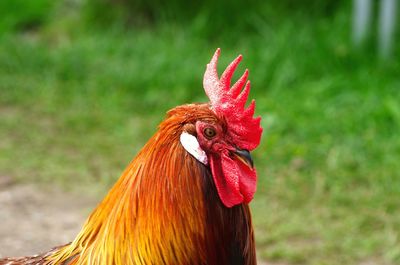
[386, 26]
[361, 20]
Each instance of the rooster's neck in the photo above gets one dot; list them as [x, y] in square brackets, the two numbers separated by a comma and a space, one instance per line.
[155, 206]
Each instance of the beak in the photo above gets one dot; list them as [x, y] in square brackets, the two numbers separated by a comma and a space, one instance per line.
[244, 156]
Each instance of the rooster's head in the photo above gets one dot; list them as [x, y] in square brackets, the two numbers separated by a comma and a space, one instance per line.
[223, 142]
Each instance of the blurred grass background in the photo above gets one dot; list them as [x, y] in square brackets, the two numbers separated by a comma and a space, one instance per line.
[83, 85]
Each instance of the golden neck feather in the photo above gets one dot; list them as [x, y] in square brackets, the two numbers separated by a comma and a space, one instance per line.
[152, 215]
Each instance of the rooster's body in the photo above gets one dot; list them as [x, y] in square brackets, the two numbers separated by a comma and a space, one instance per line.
[183, 199]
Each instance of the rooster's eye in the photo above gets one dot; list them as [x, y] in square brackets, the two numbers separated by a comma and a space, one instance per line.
[209, 132]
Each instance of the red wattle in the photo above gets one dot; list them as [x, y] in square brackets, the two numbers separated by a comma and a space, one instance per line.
[235, 182]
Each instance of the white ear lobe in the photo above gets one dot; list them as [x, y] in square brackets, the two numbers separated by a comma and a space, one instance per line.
[190, 143]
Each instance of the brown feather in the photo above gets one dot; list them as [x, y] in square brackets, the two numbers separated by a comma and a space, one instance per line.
[40, 259]
[230, 236]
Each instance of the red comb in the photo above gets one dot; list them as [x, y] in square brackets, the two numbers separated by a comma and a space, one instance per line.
[230, 102]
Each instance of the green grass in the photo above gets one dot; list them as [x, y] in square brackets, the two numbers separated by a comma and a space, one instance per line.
[76, 106]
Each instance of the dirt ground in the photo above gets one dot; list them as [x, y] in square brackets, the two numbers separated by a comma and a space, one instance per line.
[34, 219]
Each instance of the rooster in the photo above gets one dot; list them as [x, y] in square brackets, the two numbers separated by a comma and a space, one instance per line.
[184, 198]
